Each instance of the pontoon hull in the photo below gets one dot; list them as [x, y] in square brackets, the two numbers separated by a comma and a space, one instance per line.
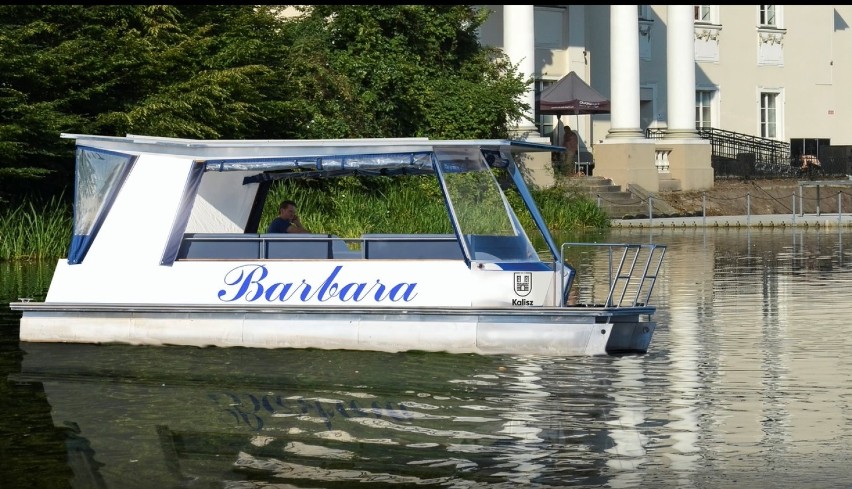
[193, 266]
[544, 331]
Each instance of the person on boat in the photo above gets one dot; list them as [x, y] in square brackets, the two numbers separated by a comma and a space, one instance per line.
[287, 220]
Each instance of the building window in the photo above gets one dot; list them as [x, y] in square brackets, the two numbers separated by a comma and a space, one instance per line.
[703, 109]
[545, 123]
[550, 28]
[808, 146]
[770, 114]
[702, 13]
[706, 14]
[770, 35]
[768, 16]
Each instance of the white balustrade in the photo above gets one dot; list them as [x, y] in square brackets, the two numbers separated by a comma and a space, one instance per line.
[661, 160]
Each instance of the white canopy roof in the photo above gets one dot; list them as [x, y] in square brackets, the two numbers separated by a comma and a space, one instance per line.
[287, 148]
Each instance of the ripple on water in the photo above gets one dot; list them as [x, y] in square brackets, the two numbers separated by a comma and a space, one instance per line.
[746, 384]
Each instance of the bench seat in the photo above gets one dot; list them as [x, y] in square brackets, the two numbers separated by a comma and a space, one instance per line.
[234, 246]
[412, 246]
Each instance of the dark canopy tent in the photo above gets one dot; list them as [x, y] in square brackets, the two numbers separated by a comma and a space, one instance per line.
[571, 95]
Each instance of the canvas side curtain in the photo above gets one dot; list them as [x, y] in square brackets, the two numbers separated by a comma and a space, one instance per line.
[99, 176]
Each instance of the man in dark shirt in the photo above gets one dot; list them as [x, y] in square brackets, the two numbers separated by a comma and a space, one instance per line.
[287, 220]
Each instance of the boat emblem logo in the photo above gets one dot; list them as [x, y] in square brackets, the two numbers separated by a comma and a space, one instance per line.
[523, 283]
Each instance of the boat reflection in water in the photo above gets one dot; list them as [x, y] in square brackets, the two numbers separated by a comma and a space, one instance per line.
[181, 416]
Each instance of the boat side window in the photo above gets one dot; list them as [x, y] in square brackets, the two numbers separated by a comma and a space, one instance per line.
[479, 208]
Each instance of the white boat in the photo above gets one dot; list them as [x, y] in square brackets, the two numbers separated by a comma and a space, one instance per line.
[166, 250]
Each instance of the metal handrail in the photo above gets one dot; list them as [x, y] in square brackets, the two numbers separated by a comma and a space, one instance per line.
[743, 155]
[637, 270]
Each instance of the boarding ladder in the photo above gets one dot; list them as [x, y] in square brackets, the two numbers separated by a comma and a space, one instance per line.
[631, 277]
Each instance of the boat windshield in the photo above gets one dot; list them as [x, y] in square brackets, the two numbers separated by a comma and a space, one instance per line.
[479, 208]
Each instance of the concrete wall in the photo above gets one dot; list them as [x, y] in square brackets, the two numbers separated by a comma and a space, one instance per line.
[628, 161]
[812, 76]
[688, 162]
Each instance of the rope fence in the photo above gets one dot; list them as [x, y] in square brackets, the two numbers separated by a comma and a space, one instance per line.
[807, 199]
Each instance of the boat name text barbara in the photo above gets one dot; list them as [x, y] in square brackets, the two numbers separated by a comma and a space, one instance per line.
[248, 282]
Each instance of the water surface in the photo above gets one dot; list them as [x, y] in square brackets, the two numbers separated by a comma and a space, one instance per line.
[746, 384]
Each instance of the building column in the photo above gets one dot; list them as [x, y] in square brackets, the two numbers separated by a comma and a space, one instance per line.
[624, 69]
[626, 157]
[687, 157]
[680, 71]
[519, 45]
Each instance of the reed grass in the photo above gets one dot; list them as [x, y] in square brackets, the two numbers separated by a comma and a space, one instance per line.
[25, 279]
[33, 231]
[564, 207]
[347, 207]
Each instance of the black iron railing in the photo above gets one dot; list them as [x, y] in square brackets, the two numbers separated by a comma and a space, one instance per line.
[737, 155]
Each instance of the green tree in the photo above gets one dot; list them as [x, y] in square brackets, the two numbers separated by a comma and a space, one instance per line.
[239, 72]
[403, 70]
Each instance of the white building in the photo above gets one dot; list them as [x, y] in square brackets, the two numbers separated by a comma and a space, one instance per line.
[771, 71]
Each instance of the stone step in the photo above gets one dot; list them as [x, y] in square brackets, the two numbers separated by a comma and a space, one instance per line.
[595, 185]
[625, 204]
[602, 189]
[615, 202]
